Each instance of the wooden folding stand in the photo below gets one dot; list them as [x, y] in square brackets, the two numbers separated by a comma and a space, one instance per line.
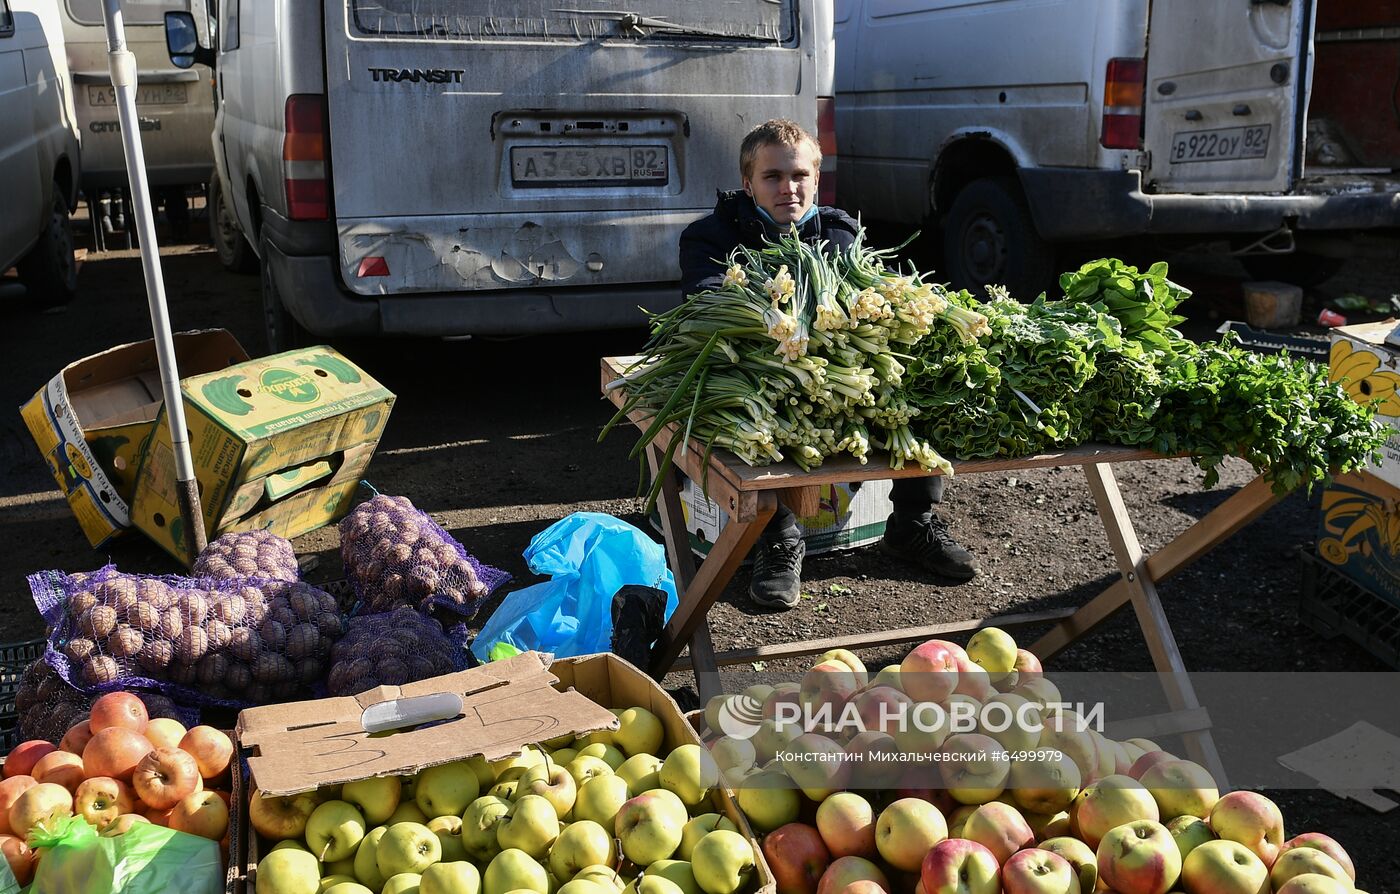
[750, 496]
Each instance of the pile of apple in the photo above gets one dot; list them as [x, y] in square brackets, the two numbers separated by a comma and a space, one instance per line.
[1080, 813]
[114, 769]
[603, 813]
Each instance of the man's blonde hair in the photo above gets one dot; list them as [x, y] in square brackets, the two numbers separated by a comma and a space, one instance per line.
[777, 132]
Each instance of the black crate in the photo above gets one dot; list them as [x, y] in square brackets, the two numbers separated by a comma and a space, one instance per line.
[14, 658]
[1332, 603]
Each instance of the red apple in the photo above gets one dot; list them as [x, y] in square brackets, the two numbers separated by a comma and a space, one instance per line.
[60, 768]
[930, 672]
[843, 873]
[798, 858]
[119, 825]
[1252, 820]
[10, 790]
[1027, 666]
[973, 681]
[119, 709]
[76, 739]
[1000, 828]
[115, 752]
[884, 709]
[1149, 760]
[825, 690]
[959, 866]
[42, 803]
[846, 822]
[22, 860]
[165, 776]
[1109, 803]
[1038, 871]
[212, 749]
[1140, 857]
[1325, 843]
[202, 813]
[1313, 883]
[165, 732]
[22, 758]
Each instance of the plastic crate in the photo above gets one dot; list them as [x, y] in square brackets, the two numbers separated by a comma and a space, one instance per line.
[14, 658]
[1332, 603]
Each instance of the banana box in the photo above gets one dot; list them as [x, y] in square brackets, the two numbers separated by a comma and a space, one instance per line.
[279, 442]
[1369, 370]
[91, 422]
[1359, 532]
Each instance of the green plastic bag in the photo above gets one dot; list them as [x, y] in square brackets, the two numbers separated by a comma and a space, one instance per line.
[146, 859]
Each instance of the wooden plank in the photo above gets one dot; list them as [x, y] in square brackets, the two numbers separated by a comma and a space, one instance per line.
[803, 501]
[711, 577]
[1090, 615]
[877, 639]
[1242, 507]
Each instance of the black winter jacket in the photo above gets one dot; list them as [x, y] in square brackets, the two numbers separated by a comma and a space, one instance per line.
[736, 221]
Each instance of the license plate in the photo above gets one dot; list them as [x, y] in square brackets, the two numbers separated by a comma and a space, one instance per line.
[146, 95]
[588, 165]
[1225, 144]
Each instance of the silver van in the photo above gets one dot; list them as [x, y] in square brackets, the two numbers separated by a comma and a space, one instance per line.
[483, 167]
[1017, 125]
[39, 152]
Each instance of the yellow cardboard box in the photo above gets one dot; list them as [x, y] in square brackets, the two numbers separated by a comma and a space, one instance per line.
[1369, 369]
[1359, 532]
[91, 422]
[278, 443]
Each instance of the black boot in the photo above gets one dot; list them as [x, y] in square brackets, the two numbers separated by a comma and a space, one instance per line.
[925, 541]
[777, 569]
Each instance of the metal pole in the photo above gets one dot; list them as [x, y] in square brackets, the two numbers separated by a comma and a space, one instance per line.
[123, 67]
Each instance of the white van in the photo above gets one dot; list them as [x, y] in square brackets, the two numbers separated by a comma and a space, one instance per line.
[1019, 124]
[483, 167]
[39, 152]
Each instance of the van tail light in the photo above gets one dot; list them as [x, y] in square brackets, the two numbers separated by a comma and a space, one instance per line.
[304, 157]
[826, 139]
[1123, 91]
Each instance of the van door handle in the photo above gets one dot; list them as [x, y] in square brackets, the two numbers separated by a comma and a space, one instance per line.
[1194, 115]
[1240, 110]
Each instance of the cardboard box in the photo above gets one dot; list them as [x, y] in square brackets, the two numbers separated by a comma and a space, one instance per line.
[278, 443]
[92, 420]
[1359, 532]
[1371, 368]
[846, 519]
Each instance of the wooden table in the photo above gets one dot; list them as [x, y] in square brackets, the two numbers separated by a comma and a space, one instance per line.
[750, 495]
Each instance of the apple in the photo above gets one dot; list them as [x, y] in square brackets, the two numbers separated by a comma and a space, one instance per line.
[288, 871]
[163, 732]
[698, 827]
[999, 828]
[1108, 803]
[772, 738]
[929, 673]
[407, 812]
[846, 872]
[1303, 861]
[1224, 867]
[446, 789]
[825, 690]
[1324, 843]
[1064, 732]
[994, 651]
[959, 866]
[531, 825]
[212, 748]
[816, 764]
[1181, 788]
[406, 847]
[680, 873]
[973, 680]
[975, 768]
[605, 751]
[60, 768]
[1081, 859]
[21, 859]
[551, 782]
[1109, 755]
[280, 817]
[1189, 832]
[514, 870]
[690, 773]
[887, 676]
[43, 802]
[450, 877]
[850, 660]
[1044, 783]
[733, 756]
[1312, 883]
[797, 857]
[586, 766]
[512, 767]
[1139, 857]
[1038, 871]
[1028, 668]
[115, 751]
[638, 732]
[202, 813]
[603, 876]
[1047, 825]
[118, 709]
[334, 830]
[121, 824]
[448, 829]
[400, 883]
[479, 826]
[846, 822]
[1148, 760]
[165, 777]
[342, 885]
[102, 799]
[1011, 720]
[377, 797]
[906, 830]
[76, 739]
[10, 789]
[768, 799]
[884, 709]
[1039, 690]
[649, 826]
[1252, 820]
[22, 758]
[365, 867]
[580, 844]
[330, 881]
[641, 772]
[599, 799]
[724, 862]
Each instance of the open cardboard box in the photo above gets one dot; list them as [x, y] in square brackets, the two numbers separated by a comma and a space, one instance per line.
[505, 705]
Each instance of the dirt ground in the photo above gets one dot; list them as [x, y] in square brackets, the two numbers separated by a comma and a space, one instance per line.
[498, 439]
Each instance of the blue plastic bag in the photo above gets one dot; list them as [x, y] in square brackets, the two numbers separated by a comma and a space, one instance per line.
[589, 556]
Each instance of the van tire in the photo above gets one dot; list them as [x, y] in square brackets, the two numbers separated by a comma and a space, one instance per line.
[50, 270]
[225, 235]
[280, 328]
[989, 238]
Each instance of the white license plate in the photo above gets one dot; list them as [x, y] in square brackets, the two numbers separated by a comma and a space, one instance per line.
[1224, 144]
[146, 95]
[588, 165]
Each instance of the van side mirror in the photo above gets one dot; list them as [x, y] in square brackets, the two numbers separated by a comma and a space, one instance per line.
[182, 41]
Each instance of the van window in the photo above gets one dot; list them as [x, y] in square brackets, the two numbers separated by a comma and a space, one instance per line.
[750, 21]
[7, 19]
[134, 12]
[228, 29]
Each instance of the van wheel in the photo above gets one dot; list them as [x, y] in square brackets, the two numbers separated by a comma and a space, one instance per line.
[989, 238]
[224, 233]
[282, 330]
[50, 272]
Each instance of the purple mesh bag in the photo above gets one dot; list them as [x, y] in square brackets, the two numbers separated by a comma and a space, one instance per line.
[257, 553]
[47, 707]
[395, 554]
[204, 641]
[393, 648]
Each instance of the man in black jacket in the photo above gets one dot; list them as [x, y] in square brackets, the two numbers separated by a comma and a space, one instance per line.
[780, 164]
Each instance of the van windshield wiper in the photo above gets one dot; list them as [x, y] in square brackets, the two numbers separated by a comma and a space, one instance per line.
[638, 25]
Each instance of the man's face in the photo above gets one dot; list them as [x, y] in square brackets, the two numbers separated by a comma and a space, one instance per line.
[784, 181]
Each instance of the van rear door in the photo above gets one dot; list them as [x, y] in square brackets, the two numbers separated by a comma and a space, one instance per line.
[1226, 90]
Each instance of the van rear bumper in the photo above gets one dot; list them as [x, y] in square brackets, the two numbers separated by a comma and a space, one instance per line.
[310, 289]
[1069, 203]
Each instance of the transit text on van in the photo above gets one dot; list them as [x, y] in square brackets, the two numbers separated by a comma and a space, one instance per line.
[431, 75]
